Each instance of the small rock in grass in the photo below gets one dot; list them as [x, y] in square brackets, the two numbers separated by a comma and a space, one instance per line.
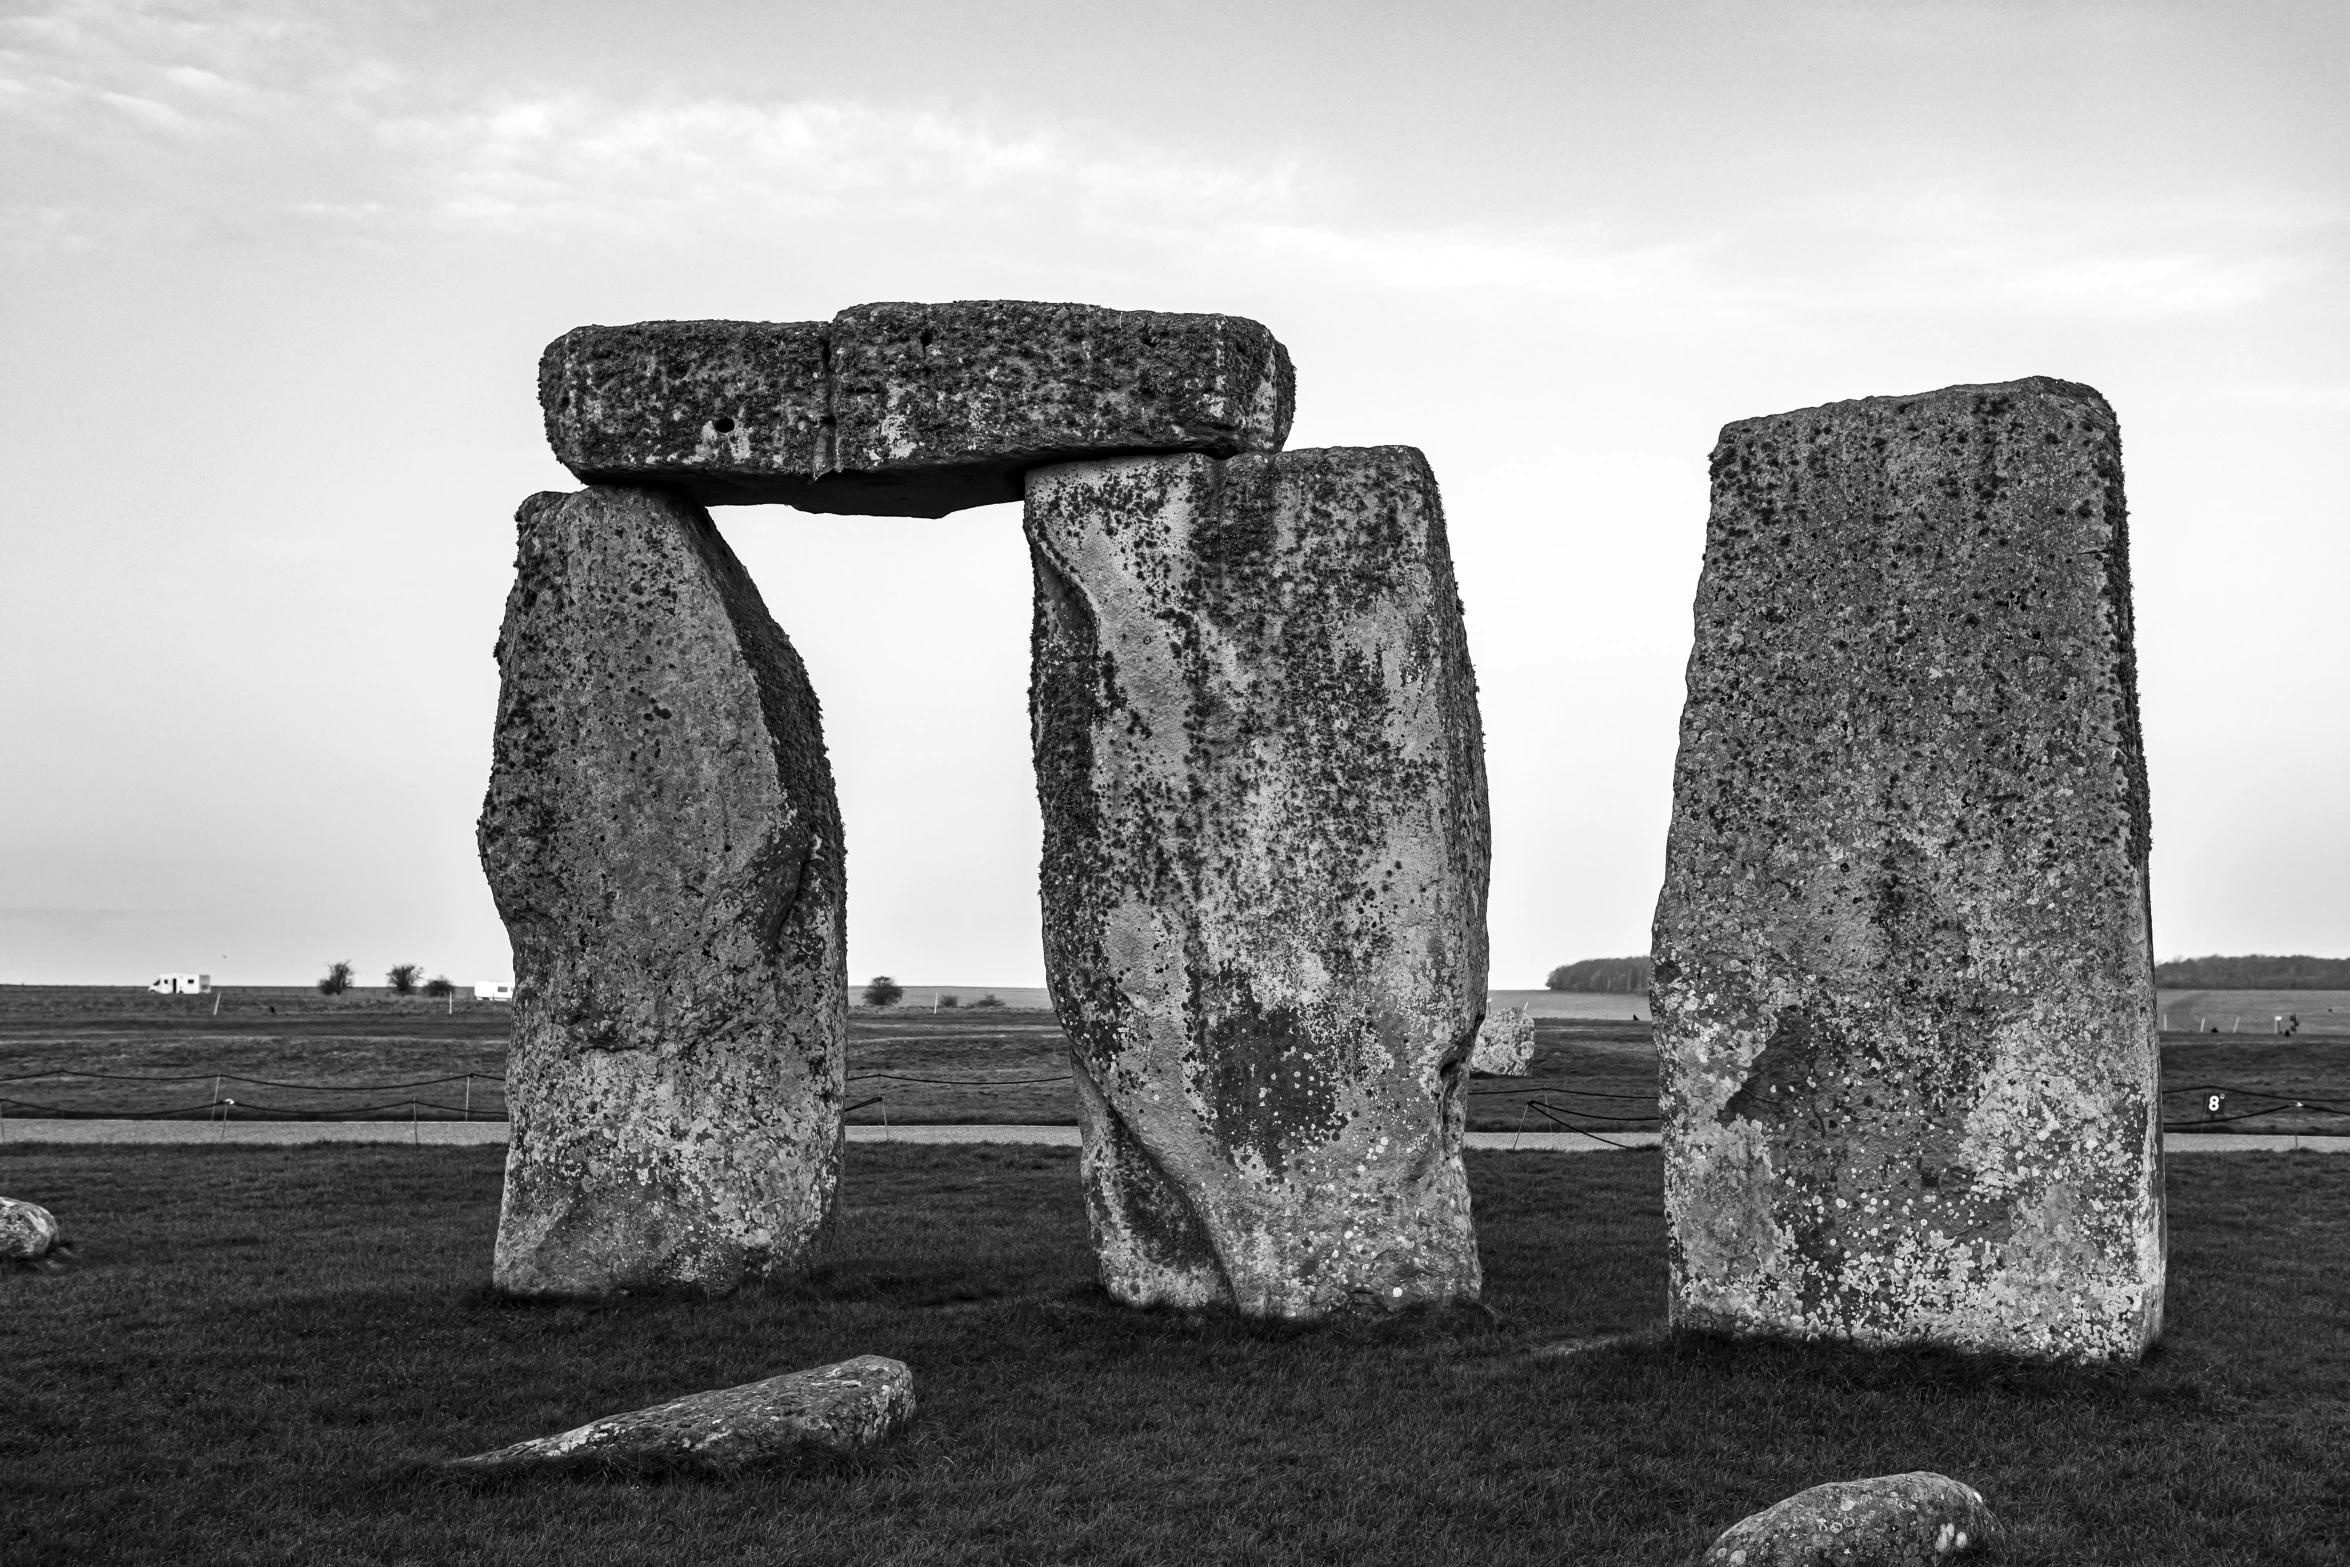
[27, 1230]
[1890, 1521]
[841, 1408]
[1505, 1044]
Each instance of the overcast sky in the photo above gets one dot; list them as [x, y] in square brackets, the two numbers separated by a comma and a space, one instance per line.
[274, 279]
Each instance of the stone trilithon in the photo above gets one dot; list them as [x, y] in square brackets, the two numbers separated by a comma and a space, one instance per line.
[663, 842]
[1266, 847]
[1904, 987]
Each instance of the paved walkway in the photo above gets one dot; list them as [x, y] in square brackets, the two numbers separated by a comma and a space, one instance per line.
[282, 1134]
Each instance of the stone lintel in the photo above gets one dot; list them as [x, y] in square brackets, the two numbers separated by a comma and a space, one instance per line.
[912, 410]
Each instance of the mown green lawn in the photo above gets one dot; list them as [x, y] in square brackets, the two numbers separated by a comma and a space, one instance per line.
[260, 1354]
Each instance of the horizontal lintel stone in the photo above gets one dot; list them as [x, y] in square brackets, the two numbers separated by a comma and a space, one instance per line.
[905, 410]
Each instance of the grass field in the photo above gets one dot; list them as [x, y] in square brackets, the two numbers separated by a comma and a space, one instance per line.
[261, 1353]
[2244, 1013]
[997, 1066]
[162, 1054]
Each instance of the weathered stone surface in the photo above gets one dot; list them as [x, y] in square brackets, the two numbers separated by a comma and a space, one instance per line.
[1904, 1520]
[902, 409]
[1904, 989]
[662, 839]
[27, 1230]
[1265, 857]
[841, 1408]
[1505, 1044]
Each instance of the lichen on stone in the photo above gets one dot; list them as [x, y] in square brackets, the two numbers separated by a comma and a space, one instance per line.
[662, 839]
[1261, 769]
[1904, 985]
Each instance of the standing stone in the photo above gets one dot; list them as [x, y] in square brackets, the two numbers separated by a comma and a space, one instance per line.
[663, 842]
[903, 409]
[1505, 1044]
[1265, 857]
[1904, 988]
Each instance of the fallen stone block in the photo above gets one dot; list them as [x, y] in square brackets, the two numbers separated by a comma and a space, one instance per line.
[1505, 1044]
[841, 1408]
[27, 1230]
[1904, 1520]
[903, 409]
[1265, 856]
[1904, 987]
[662, 839]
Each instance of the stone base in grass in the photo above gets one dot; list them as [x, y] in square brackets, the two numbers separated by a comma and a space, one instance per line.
[841, 1408]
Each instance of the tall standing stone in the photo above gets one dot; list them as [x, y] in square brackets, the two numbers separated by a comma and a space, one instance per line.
[662, 839]
[1904, 984]
[1266, 847]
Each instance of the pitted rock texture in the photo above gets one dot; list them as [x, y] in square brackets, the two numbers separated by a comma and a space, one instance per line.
[902, 409]
[1505, 1044]
[1904, 988]
[662, 839]
[1265, 857]
[27, 1230]
[841, 1408]
[1905, 1520]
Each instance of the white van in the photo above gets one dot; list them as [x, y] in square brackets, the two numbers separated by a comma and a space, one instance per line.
[181, 984]
[493, 990]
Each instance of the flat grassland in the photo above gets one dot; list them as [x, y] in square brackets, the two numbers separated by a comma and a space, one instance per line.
[383, 1057]
[376, 1056]
[259, 1355]
[2244, 1013]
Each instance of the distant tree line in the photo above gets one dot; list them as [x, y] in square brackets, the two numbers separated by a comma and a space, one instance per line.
[1602, 976]
[405, 979]
[2257, 972]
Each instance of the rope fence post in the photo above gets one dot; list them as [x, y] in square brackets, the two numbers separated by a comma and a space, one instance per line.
[469, 1096]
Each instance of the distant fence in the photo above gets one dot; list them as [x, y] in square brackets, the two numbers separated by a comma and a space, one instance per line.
[2196, 1107]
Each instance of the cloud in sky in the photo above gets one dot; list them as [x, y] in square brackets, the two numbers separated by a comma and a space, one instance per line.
[277, 120]
[303, 252]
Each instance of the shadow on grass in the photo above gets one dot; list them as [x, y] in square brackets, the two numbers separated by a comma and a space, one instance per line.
[262, 1355]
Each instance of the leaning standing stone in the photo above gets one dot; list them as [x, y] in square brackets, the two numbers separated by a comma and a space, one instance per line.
[27, 1230]
[1918, 1519]
[840, 1408]
[1904, 987]
[1262, 775]
[663, 842]
[903, 409]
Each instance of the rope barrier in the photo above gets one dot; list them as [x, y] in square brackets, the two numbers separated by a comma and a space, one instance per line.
[233, 1109]
[255, 1082]
[957, 1082]
[1543, 1110]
